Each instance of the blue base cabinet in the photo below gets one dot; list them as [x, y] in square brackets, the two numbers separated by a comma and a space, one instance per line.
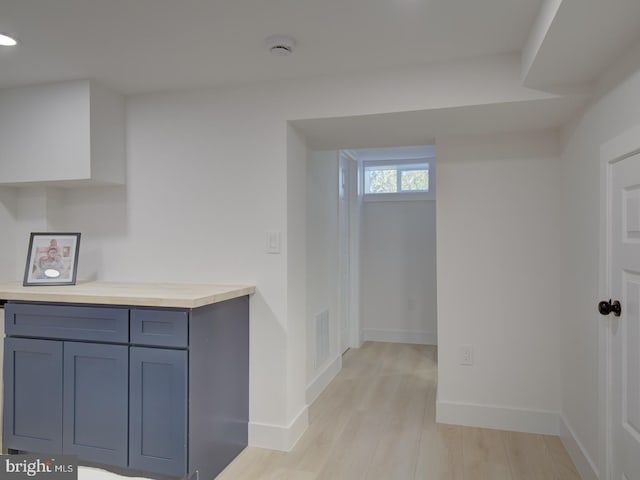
[95, 394]
[33, 395]
[145, 391]
[158, 385]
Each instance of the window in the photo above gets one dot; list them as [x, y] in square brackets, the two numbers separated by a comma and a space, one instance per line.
[402, 178]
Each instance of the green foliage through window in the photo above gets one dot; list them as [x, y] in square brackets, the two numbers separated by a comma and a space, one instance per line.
[396, 178]
[414, 180]
[383, 181]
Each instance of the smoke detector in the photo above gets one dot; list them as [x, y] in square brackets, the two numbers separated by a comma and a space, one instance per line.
[280, 44]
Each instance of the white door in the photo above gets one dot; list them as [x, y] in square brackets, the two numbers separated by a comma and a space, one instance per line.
[344, 219]
[624, 200]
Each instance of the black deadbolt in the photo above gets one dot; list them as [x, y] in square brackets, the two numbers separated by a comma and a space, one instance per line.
[605, 308]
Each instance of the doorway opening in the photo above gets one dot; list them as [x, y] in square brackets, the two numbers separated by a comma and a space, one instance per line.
[395, 245]
[371, 253]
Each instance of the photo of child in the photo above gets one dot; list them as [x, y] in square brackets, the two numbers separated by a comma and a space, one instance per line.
[52, 259]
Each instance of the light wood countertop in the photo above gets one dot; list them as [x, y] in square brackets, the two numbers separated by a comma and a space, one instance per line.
[138, 294]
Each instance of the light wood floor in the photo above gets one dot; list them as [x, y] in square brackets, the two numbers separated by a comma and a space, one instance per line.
[376, 420]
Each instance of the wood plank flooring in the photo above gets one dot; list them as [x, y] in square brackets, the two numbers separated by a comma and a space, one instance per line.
[376, 421]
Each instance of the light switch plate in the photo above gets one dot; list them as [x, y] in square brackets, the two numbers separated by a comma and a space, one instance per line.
[274, 242]
[466, 355]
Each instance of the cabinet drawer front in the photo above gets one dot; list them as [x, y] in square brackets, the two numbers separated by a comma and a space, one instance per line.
[164, 328]
[100, 324]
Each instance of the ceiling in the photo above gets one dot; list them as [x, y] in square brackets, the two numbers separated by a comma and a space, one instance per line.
[584, 38]
[139, 46]
[136, 46]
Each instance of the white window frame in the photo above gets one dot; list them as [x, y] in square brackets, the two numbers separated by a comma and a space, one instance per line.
[404, 195]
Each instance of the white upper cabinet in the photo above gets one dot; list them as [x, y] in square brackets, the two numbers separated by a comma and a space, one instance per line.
[64, 134]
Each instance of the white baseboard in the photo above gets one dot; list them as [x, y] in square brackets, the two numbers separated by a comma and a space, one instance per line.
[399, 336]
[581, 459]
[498, 417]
[318, 384]
[279, 437]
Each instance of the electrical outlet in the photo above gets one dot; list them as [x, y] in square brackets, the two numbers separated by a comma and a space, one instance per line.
[466, 355]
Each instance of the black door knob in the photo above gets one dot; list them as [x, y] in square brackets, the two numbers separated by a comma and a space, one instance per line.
[605, 308]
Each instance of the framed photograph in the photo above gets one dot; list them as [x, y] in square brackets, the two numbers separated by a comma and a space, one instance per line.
[52, 259]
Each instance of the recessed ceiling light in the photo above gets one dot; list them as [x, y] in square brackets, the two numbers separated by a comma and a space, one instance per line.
[280, 44]
[7, 41]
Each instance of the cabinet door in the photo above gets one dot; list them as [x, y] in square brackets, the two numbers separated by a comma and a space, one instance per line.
[96, 396]
[158, 415]
[33, 395]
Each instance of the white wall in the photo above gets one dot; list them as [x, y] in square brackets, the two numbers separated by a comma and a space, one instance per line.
[107, 129]
[616, 109]
[209, 172]
[322, 265]
[36, 209]
[8, 211]
[296, 258]
[206, 179]
[398, 271]
[498, 281]
[354, 205]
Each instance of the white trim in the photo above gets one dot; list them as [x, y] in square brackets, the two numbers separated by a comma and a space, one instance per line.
[581, 459]
[318, 384]
[618, 148]
[353, 307]
[279, 437]
[401, 161]
[399, 197]
[355, 216]
[623, 146]
[399, 336]
[604, 340]
[498, 417]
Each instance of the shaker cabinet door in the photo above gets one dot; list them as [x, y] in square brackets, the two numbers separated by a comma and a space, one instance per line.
[32, 395]
[96, 393]
[158, 410]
